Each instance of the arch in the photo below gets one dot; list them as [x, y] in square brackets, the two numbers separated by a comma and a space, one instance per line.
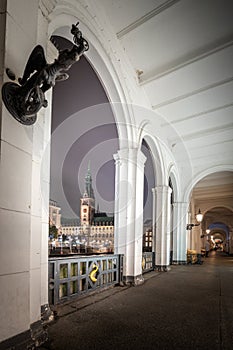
[156, 154]
[203, 174]
[214, 207]
[173, 175]
[149, 181]
[220, 226]
[104, 68]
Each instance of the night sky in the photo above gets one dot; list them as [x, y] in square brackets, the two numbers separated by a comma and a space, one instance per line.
[84, 132]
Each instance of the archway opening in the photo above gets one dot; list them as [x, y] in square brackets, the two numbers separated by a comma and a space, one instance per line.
[218, 232]
[213, 196]
[83, 140]
[149, 183]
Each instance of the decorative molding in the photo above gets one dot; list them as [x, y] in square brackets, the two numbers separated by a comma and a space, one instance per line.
[146, 17]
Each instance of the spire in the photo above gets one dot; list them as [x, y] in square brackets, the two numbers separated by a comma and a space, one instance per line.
[88, 183]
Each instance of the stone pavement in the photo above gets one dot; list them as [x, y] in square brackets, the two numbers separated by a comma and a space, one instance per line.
[189, 307]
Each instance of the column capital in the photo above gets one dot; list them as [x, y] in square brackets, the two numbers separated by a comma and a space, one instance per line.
[126, 155]
[183, 205]
[162, 189]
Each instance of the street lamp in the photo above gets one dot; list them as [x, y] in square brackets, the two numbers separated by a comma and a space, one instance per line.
[207, 232]
[199, 217]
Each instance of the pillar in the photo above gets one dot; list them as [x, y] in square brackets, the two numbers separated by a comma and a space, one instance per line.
[128, 216]
[180, 234]
[23, 208]
[162, 195]
[197, 241]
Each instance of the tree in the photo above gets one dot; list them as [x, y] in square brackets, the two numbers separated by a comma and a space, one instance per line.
[53, 231]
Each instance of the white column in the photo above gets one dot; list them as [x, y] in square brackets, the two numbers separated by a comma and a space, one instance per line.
[179, 232]
[154, 221]
[128, 215]
[197, 241]
[175, 231]
[162, 242]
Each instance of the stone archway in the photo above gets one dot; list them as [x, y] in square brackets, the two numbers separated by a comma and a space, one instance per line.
[217, 222]
[212, 194]
[149, 184]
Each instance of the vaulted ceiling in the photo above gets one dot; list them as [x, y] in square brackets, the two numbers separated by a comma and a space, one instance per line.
[182, 53]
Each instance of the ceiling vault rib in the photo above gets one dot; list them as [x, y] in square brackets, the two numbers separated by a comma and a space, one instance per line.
[203, 133]
[189, 117]
[146, 17]
[194, 59]
[194, 92]
[215, 143]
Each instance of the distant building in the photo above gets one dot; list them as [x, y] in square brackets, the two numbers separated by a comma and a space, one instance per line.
[147, 236]
[147, 240]
[70, 227]
[96, 229]
[70, 230]
[54, 214]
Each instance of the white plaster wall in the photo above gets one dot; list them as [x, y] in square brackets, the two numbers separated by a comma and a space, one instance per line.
[14, 306]
[24, 228]
[15, 189]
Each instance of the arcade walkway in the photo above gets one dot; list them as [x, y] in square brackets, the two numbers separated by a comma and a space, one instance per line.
[189, 307]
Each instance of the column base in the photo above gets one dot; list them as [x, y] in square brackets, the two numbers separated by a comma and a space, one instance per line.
[33, 337]
[47, 315]
[133, 280]
[179, 262]
[30, 340]
[163, 268]
[39, 334]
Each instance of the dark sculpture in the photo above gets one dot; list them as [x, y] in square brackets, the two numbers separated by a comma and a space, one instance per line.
[25, 99]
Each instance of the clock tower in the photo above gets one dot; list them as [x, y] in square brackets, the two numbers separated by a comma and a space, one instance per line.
[87, 202]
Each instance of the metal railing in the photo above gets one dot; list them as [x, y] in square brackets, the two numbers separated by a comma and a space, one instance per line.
[148, 261]
[70, 277]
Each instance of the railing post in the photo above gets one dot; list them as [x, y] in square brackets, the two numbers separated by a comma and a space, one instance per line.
[121, 263]
[153, 260]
